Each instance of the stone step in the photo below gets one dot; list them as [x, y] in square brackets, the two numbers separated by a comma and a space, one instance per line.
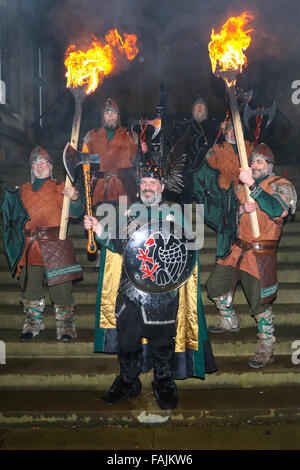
[98, 374]
[206, 406]
[86, 294]
[12, 316]
[227, 344]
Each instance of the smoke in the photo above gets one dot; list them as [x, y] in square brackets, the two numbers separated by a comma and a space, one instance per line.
[173, 36]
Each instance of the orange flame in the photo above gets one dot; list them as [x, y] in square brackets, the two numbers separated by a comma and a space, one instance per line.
[226, 49]
[89, 66]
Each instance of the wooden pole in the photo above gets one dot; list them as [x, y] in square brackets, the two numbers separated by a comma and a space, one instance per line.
[79, 96]
[239, 135]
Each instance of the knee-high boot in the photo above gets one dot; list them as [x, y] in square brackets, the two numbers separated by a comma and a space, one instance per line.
[65, 325]
[229, 320]
[266, 340]
[34, 318]
[163, 385]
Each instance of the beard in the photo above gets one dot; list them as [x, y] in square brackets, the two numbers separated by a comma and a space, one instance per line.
[257, 174]
[150, 198]
[200, 116]
[110, 124]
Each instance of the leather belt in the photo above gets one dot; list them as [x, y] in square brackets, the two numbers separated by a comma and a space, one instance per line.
[266, 247]
[40, 233]
[44, 233]
[263, 247]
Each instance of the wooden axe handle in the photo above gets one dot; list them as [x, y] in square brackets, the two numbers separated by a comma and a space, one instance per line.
[91, 245]
[74, 141]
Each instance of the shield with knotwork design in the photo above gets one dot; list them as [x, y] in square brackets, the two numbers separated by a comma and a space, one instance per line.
[158, 257]
[15, 217]
[220, 206]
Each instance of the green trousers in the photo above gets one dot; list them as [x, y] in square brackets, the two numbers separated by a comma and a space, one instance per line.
[60, 294]
[220, 280]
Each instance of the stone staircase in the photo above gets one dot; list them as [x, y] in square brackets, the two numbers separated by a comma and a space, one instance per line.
[46, 366]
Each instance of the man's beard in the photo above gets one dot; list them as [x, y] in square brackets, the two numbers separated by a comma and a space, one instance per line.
[257, 174]
[151, 200]
[200, 116]
[110, 124]
[230, 140]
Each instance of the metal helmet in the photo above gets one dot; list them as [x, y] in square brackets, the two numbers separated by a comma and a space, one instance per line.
[39, 152]
[111, 105]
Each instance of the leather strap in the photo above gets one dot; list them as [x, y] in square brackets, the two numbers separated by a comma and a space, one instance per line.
[41, 233]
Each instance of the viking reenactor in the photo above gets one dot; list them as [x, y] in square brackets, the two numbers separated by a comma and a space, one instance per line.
[252, 261]
[149, 308]
[199, 131]
[41, 255]
[117, 149]
[224, 156]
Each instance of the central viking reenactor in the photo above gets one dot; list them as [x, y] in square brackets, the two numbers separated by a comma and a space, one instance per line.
[143, 312]
[44, 258]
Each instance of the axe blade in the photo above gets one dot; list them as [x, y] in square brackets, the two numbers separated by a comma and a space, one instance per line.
[249, 113]
[72, 159]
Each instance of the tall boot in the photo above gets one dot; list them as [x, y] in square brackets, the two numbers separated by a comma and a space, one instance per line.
[266, 340]
[229, 320]
[127, 384]
[65, 324]
[33, 325]
[163, 385]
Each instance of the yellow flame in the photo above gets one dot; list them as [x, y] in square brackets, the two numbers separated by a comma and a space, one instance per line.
[88, 66]
[226, 48]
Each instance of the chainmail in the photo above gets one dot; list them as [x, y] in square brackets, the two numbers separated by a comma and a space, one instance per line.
[155, 301]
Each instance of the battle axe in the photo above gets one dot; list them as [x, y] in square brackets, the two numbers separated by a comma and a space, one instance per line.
[249, 113]
[73, 160]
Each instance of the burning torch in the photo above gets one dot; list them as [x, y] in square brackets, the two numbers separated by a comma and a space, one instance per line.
[86, 69]
[226, 52]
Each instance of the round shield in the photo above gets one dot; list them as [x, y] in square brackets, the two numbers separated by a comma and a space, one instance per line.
[157, 258]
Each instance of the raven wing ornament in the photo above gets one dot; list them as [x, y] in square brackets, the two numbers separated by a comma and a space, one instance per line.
[175, 164]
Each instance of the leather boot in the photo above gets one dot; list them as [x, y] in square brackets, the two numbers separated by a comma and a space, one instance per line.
[228, 320]
[34, 318]
[127, 384]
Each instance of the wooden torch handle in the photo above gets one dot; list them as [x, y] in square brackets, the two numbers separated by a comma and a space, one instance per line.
[239, 135]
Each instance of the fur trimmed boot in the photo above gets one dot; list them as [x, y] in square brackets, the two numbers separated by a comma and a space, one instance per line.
[228, 321]
[127, 384]
[65, 325]
[163, 385]
[266, 340]
[34, 318]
